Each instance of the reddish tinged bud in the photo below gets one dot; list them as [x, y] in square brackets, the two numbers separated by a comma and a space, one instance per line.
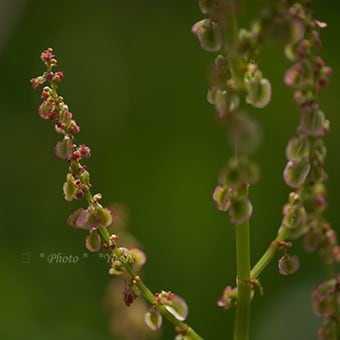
[36, 82]
[76, 156]
[46, 92]
[47, 110]
[209, 34]
[323, 297]
[316, 39]
[73, 127]
[58, 76]
[228, 298]
[313, 123]
[221, 197]
[311, 240]
[49, 76]
[295, 173]
[47, 55]
[64, 148]
[288, 264]
[93, 241]
[84, 151]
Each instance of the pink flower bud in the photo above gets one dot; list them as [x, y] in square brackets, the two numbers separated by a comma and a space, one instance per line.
[38, 81]
[47, 55]
[47, 110]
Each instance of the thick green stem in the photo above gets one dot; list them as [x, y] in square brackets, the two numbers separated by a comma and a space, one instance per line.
[242, 317]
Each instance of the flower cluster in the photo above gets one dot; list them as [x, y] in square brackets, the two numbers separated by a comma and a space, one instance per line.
[306, 153]
[77, 183]
[233, 75]
[172, 303]
[96, 218]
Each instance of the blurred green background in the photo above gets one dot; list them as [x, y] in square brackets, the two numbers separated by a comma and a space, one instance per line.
[136, 80]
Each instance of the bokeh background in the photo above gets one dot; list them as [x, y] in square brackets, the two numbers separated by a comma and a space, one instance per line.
[136, 80]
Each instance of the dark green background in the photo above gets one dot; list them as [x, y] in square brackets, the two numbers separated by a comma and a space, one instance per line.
[136, 79]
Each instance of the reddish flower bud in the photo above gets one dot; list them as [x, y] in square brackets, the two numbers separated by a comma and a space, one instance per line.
[58, 76]
[47, 110]
[47, 55]
[84, 151]
[38, 81]
[46, 92]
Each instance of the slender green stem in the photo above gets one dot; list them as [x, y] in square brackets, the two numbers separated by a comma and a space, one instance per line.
[263, 262]
[149, 296]
[242, 316]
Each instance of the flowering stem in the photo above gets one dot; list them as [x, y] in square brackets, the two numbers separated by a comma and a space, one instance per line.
[146, 292]
[265, 259]
[149, 296]
[242, 316]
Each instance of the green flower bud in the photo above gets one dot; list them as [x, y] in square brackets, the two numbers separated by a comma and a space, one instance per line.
[240, 210]
[103, 217]
[138, 257]
[207, 6]
[85, 178]
[64, 148]
[93, 241]
[239, 172]
[153, 319]
[288, 264]
[313, 123]
[295, 173]
[298, 148]
[221, 197]
[209, 34]
[258, 91]
[177, 307]
[69, 188]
